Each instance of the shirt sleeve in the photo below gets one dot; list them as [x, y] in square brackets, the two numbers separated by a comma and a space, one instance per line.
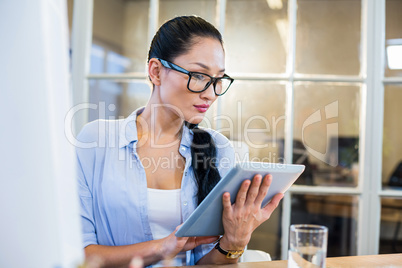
[201, 251]
[85, 171]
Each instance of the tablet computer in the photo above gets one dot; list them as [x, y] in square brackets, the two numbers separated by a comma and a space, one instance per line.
[206, 219]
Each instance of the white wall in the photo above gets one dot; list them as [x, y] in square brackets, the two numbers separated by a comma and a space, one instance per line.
[39, 224]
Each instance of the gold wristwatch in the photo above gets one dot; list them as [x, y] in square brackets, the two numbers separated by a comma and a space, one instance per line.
[230, 254]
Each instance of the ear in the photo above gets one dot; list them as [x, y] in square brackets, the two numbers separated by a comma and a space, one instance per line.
[154, 69]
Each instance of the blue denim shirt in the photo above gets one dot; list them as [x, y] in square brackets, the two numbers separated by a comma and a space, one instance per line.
[113, 187]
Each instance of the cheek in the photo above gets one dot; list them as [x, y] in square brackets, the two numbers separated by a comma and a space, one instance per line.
[171, 91]
[175, 94]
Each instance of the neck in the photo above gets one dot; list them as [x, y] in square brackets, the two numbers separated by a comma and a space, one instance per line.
[159, 122]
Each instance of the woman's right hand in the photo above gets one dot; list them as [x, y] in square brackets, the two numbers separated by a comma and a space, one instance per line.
[173, 245]
[245, 215]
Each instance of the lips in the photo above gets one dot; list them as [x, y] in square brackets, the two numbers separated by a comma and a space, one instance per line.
[202, 108]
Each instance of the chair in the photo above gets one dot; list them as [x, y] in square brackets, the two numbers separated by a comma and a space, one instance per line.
[251, 255]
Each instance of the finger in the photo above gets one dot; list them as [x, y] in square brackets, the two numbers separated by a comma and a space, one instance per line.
[178, 227]
[272, 205]
[179, 239]
[173, 245]
[227, 205]
[253, 190]
[242, 193]
[263, 189]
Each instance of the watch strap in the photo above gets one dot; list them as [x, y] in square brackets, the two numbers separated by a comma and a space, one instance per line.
[230, 254]
[221, 250]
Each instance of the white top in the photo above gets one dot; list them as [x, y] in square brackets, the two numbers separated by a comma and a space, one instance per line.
[164, 214]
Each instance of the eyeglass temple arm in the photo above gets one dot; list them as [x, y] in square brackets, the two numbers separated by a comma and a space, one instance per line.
[173, 66]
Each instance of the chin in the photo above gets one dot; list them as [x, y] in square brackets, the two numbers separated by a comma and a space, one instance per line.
[195, 119]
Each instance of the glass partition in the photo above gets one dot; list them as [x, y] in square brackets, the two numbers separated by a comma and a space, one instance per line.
[254, 113]
[114, 99]
[392, 138]
[120, 36]
[326, 133]
[393, 38]
[338, 212]
[328, 37]
[169, 9]
[256, 34]
[391, 221]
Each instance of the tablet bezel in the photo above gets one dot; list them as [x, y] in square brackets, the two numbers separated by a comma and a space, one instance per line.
[206, 219]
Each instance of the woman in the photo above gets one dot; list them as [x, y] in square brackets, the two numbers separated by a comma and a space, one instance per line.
[147, 173]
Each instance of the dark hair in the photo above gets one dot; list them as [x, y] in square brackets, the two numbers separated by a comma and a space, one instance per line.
[174, 38]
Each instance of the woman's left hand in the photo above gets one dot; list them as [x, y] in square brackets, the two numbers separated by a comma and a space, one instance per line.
[172, 245]
[246, 214]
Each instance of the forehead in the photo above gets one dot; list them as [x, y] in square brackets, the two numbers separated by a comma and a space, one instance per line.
[205, 50]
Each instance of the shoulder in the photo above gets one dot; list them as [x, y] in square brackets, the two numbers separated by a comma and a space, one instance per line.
[94, 141]
[98, 133]
[89, 132]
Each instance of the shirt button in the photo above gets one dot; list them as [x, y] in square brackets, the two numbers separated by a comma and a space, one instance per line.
[185, 203]
[183, 148]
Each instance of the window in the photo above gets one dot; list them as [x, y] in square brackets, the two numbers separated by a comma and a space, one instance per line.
[324, 91]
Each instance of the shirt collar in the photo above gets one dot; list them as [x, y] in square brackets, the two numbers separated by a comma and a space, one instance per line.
[128, 131]
[187, 137]
[128, 128]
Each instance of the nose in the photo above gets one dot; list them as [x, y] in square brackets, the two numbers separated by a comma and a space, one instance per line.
[209, 93]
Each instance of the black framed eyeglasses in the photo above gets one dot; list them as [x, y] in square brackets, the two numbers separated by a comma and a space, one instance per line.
[199, 82]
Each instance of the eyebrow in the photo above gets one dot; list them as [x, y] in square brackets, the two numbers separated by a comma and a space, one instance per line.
[206, 67]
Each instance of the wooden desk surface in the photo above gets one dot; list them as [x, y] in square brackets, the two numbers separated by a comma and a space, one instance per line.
[385, 260]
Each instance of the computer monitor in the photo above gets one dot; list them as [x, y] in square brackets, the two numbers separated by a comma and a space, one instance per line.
[343, 151]
[299, 156]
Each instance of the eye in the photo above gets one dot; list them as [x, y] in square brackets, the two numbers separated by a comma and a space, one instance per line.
[199, 77]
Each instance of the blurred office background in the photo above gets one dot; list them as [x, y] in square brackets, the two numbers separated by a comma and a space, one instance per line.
[319, 82]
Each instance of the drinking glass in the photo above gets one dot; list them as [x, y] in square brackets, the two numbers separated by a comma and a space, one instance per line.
[307, 246]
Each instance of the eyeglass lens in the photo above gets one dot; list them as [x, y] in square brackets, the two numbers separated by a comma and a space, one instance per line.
[198, 82]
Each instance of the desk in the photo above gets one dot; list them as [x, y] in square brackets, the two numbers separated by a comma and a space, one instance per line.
[385, 260]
